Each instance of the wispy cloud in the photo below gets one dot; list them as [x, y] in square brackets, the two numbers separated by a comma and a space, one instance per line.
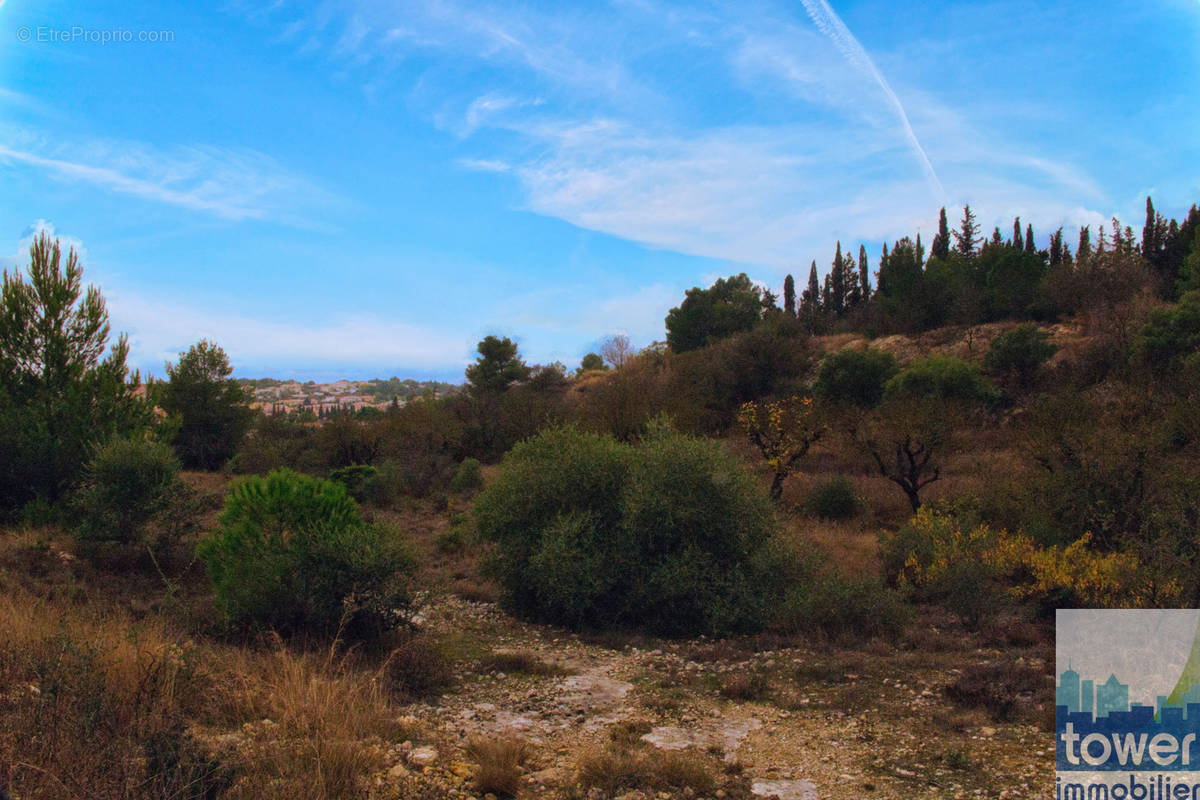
[827, 20]
[229, 183]
[623, 137]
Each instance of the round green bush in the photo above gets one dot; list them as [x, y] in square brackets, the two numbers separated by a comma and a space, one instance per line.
[854, 377]
[293, 555]
[1018, 353]
[941, 378]
[468, 476]
[127, 483]
[833, 499]
[359, 479]
[666, 536]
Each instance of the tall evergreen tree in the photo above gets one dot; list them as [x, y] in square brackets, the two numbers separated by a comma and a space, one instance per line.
[1056, 248]
[1018, 241]
[967, 236]
[838, 284]
[881, 285]
[941, 243]
[864, 274]
[1030, 246]
[789, 296]
[827, 294]
[1084, 251]
[997, 239]
[810, 299]
[1152, 232]
[920, 251]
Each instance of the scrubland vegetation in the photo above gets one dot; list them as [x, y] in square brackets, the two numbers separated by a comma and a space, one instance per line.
[894, 483]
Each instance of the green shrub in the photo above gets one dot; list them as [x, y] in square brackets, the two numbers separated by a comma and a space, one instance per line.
[664, 536]
[854, 377]
[1018, 354]
[468, 476]
[941, 378]
[817, 599]
[360, 480]
[451, 541]
[293, 555]
[1169, 338]
[833, 499]
[127, 483]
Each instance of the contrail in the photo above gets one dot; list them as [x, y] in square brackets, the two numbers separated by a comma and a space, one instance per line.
[830, 24]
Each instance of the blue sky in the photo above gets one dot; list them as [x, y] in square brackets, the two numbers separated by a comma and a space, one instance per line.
[362, 188]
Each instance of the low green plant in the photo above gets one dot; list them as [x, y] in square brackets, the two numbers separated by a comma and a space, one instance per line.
[834, 498]
[359, 479]
[467, 477]
[1018, 354]
[943, 378]
[854, 377]
[127, 484]
[293, 555]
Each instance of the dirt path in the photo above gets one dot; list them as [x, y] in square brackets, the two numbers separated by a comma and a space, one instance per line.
[795, 723]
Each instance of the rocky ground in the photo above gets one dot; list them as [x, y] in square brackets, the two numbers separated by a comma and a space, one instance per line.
[797, 723]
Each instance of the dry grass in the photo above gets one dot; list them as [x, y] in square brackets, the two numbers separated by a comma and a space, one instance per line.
[499, 763]
[418, 668]
[616, 767]
[312, 723]
[93, 704]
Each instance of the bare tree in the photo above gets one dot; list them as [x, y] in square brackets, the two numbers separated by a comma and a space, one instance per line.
[617, 351]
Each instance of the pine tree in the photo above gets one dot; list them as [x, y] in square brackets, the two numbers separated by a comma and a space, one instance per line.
[827, 295]
[920, 251]
[1084, 251]
[1030, 247]
[1018, 241]
[967, 236]
[789, 296]
[864, 274]
[941, 243]
[997, 239]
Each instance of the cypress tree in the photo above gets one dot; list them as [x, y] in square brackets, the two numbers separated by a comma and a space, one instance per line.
[838, 284]
[997, 239]
[810, 300]
[881, 286]
[864, 274]
[789, 296]
[1085, 244]
[1030, 247]
[941, 243]
[827, 295]
[920, 251]
[1018, 242]
[1150, 231]
[1056, 248]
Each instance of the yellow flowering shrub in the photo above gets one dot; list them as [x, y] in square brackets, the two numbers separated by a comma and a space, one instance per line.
[936, 558]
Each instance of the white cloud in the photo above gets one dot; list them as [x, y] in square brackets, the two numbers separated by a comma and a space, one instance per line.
[20, 259]
[229, 183]
[159, 329]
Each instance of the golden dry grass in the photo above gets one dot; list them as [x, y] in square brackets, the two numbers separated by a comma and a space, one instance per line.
[499, 762]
